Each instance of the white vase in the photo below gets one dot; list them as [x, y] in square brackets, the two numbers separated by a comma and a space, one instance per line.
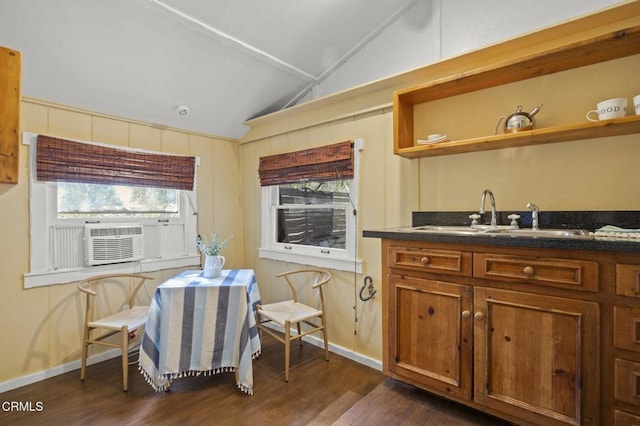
[212, 266]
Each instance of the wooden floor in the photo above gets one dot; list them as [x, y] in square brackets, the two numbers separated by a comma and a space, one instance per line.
[338, 392]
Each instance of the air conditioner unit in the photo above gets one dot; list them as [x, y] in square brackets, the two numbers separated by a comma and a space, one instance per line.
[112, 243]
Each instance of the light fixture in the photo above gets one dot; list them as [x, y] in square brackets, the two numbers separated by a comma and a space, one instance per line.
[183, 110]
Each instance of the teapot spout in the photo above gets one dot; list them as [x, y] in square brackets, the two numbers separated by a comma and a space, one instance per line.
[535, 110]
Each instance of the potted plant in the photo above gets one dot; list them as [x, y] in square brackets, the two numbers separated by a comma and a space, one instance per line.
[212, 247]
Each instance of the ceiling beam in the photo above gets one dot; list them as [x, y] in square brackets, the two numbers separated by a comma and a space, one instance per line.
[244, 45]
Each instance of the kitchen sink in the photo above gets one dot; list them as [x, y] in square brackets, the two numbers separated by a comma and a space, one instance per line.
[548, 233]
[501, 231]
[454, 230]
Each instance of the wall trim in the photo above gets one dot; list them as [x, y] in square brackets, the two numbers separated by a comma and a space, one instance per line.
[39, 376]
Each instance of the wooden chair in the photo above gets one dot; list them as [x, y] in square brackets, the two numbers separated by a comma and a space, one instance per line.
[101, 313]
[291, 312]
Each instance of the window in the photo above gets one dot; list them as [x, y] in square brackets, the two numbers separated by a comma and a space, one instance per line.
[59, 211]
[313, 214]
[94, 201]
[312, 222]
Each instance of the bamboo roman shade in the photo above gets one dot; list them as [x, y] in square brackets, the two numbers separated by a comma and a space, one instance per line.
[61, 160]
[329, 162]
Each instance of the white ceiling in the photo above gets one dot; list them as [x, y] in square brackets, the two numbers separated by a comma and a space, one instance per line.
[228, 60]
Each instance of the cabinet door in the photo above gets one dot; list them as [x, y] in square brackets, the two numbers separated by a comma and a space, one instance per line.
[536, 357]
[430, 331]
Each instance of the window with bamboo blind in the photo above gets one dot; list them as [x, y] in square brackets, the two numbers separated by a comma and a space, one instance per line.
[309, 201]
[73, 183]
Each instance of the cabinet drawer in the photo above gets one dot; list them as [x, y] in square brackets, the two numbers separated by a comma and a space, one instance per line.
[628, 280]
[626, 419]
[562, 273]
[627, 381]
[448, 262]
[626, 328]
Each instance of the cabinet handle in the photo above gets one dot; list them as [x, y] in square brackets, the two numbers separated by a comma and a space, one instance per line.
[528, 270]
[466, 314]
[478, 316]
[424, 260]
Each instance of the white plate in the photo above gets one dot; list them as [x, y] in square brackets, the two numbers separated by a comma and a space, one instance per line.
[440, 138]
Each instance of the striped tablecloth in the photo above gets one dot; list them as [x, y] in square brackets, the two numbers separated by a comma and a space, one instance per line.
[200, 325]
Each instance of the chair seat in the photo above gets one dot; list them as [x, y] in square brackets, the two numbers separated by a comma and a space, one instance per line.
[133, 318]
[291, 311]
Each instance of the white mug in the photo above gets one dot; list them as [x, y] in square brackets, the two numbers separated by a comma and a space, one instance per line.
[611, 108]
[636, 103]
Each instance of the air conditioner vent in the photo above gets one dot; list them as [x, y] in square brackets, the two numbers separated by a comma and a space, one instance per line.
[113, 243]
[104, 232]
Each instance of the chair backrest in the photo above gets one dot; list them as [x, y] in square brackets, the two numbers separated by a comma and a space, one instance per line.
[318, 277]
[107, 294]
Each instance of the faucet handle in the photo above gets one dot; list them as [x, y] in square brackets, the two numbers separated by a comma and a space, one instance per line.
[514, 220]
[474, 218]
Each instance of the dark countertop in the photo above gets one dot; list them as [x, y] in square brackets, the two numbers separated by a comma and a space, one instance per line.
[591, 221]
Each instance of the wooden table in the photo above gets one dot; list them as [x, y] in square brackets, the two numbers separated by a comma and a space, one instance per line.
[200, 325]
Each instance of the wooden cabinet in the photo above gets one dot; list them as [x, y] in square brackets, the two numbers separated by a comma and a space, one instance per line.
[10, 65]
[626, 344]
[499, 66]
[521, 346]
[430, 331]
[534, 356]
[450, 262]
[560, 273]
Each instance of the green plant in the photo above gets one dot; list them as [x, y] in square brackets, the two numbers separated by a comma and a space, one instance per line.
[212, 246]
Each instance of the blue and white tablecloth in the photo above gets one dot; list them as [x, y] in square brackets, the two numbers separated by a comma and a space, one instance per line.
[200, 325]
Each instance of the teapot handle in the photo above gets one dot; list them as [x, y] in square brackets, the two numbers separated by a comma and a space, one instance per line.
[498, 124]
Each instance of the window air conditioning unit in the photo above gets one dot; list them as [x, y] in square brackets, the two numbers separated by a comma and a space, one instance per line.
[106, 243]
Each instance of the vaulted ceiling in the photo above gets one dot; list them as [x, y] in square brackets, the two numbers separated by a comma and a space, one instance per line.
[227, 60]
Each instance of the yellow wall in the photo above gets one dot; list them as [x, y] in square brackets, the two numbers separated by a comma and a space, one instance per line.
[41, 327]
[382, 201]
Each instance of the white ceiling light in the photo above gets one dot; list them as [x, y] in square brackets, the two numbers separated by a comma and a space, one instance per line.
[183, 110]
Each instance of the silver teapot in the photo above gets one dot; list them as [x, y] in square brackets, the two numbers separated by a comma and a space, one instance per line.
[518, 121]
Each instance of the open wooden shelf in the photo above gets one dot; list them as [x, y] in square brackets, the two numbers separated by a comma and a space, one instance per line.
[613, 45]
[615, 127]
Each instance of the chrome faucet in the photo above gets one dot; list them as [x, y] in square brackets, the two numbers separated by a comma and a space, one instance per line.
[534, 215]
[492, 199]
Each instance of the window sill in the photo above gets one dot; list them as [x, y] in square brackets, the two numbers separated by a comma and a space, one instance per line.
[339, 264]
[42, 279]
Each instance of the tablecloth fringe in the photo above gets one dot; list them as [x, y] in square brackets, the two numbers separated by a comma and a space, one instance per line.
[245, 389]
[169, 377]
[156, 387]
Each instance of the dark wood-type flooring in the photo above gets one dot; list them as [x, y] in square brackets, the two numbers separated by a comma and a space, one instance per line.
[340, 392]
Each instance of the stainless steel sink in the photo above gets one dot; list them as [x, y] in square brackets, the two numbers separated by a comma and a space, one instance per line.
[548, 233]
[502, 231]
[454, 230]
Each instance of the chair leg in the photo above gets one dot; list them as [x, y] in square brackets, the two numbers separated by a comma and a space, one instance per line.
[83, 360]
[125, 357]
[299, 333]
[326, 343]
[287, 345]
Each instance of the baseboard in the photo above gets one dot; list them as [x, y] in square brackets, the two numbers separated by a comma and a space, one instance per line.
[113, 353]
[18, 382]
[353, 356]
